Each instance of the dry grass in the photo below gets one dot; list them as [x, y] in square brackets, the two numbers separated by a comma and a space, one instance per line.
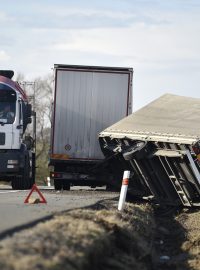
[84, 239]
[191, 245]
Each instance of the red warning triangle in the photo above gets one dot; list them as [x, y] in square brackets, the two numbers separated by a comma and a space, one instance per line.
[35, 188]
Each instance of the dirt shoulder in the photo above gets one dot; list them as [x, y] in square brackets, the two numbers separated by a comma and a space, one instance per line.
[190, 221]
[103, 238]
[98, 238]
[177, 241]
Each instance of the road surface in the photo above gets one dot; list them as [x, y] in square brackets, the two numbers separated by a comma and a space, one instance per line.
[14, 213]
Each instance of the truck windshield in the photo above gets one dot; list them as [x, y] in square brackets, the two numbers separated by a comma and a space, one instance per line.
[7, 104]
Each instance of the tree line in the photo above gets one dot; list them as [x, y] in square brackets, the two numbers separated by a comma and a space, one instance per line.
[40, 93]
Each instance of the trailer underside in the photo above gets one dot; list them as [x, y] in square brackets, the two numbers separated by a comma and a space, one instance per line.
[165, 173]
[159, 144]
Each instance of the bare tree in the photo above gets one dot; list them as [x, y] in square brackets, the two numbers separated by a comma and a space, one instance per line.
[40, 90]
[43, 106]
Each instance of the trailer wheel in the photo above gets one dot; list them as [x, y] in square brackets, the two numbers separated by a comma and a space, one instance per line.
[66, 185]
[111, 187]
[14, 183]
[138, 146]
[57, 184]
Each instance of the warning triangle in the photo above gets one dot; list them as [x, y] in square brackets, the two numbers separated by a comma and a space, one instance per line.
[36, 189]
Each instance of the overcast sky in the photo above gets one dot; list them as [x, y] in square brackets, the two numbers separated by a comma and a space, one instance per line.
[159, 39]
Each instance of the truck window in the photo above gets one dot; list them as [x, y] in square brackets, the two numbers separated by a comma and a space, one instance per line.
[7, 104]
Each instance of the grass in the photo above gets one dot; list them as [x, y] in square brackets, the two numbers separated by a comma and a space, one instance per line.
[84, 239]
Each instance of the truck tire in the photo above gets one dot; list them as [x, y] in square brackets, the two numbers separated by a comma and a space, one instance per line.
[14, 183]
[66, 185]
[23, 181]
[57, 184]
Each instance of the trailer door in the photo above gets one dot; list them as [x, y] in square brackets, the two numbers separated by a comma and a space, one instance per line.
[87, 102]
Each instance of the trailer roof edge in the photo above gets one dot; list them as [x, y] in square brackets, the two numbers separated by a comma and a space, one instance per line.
[93, 67]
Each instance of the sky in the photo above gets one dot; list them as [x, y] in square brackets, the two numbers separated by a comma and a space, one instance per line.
[159, 39]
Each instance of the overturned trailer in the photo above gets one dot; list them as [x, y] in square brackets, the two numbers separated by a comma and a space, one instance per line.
[160, 145]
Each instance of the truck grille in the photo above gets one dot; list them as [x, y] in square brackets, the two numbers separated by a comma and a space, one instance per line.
[2, 138]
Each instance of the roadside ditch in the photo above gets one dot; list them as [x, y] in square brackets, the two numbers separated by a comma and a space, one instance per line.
[100, 238]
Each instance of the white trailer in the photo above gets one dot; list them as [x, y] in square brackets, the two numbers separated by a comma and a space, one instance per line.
[160, 145]
[87, 100]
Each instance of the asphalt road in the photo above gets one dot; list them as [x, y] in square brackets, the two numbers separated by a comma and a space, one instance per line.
[15, 213]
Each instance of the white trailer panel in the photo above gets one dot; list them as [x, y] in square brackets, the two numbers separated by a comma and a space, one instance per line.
[160, 143]
[87, 100]
[170, 118]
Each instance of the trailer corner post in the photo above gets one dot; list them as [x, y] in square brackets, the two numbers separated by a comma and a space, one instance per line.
[194, 168]
[124, 189]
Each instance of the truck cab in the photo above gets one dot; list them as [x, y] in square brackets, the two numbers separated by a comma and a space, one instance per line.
[17, 157]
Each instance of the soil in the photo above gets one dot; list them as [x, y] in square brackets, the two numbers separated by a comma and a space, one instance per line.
[177, 241]
[100, 237]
